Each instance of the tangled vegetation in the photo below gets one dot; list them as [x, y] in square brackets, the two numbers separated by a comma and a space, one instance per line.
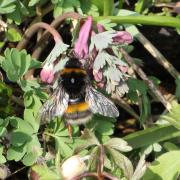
[36, 39]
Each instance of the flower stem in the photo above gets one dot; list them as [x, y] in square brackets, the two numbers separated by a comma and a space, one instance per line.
[100, 166]
[108, 7]
[150, 84]
[141, 19]
[33, 29]
[157, 55]
[42, 43]
[121, 4]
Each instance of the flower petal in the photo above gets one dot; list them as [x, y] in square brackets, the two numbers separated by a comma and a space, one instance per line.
[81, 45]
[123, 37]
[47, 74]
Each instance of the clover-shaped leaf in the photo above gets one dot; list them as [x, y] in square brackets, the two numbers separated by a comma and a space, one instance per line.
[16, 63]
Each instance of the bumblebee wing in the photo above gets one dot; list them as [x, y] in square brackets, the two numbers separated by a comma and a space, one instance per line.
[55, 105]
[99, 103]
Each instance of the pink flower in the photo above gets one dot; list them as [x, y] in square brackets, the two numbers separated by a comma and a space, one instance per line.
[81, 45]
[47, 74]
[123, 37]
[101, 85]
[98, 75]
[100, 28]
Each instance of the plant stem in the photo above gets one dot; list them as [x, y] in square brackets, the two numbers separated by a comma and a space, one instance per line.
[141, 19]
[100, 166]
[109, 176]
[150, 84]
[121, 4]
[33, 29]
[123, 104]
[42, 43]
[157, 55]
[86, 174]
[108, 7]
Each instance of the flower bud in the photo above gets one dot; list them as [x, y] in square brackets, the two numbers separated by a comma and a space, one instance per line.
[98, 75]
[122, 37]
[72, 167]
[47, 74]
[100, 28]
[4, 172]
[81, 45]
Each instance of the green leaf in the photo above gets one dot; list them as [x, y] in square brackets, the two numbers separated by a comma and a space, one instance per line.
[16, 153]
[31, 113]
[151, 135]
[16, 63]
[33, 2]
[173, 116]
[35, 64]
[3, 131]
[19, 138]
[89, 8]
[28, 99]
[92, 163]
[177, 93]
[1, 45]
[7, 6]
[137, 85]
[102, 125]
[63, 147]
[2, 158]
[21, 125]
[170, 146]
[13, 35]
[122, 162]
[45, 173]
[107, 24]
[28, 85]
[141, 5]
[155, 80]
[167, 166]
[21, 10]
[145, 108]
[6, 107]
[29, 159]
[88, 139]
[118, 144]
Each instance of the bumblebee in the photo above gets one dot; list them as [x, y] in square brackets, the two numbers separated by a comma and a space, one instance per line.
[75, 99]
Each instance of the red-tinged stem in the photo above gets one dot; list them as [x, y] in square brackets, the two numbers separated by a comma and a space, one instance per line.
[86, 174]
[42, 43]
[100, 166]
[109, 176]
[143, 76]
[34, 29]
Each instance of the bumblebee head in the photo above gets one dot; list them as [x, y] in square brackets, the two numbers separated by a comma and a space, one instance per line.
[73, 63]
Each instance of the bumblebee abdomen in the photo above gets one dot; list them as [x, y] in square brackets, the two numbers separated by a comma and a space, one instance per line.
[78, 107]
[78, 113]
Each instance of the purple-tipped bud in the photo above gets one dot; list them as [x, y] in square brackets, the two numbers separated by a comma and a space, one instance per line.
[97, 75]
[47, 74]
[81, 45]
[123, 37]
[100, 28]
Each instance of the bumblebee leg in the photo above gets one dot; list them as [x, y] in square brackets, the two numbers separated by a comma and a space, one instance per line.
[69, 130]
